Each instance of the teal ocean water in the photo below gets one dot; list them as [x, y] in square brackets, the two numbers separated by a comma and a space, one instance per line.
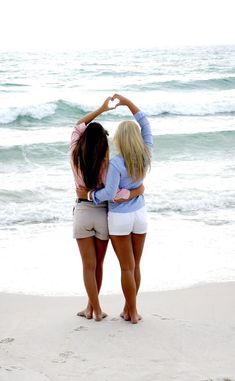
[188, 95]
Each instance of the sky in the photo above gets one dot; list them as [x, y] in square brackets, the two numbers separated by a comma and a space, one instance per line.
[94, 24]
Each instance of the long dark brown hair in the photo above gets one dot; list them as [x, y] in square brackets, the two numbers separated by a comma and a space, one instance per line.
[90, 152]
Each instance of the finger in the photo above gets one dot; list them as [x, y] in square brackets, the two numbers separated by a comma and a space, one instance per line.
[118, 200]
[115, 96]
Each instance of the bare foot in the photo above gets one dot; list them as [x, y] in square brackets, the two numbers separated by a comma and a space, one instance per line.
[135, 318]
[100, 316]
[87, 313]
[125, 315]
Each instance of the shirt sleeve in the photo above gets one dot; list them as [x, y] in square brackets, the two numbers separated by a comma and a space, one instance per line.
[109, 191]
[146, 133]
[76, 134]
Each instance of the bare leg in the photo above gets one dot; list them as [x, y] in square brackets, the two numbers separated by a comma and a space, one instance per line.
[138, 246]
[88, 253]
[101, 247]
[123, 248]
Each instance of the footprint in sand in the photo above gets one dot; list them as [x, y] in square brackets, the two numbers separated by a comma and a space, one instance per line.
[81, 328]
[186, 324]
[12, 367]
[162, 317]
[64, 356]
[7, 340]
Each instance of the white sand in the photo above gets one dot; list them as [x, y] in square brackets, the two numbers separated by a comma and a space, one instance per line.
[185, 335]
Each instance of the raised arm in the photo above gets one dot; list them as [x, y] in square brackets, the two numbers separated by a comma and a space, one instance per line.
[140, 117]
[85, 120]
[93, 114]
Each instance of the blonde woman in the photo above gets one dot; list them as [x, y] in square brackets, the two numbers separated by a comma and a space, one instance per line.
[127, 221]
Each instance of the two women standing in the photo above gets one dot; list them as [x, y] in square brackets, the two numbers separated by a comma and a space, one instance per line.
[127, 223]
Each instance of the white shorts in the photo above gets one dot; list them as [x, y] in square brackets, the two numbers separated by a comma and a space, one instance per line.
[126, 223]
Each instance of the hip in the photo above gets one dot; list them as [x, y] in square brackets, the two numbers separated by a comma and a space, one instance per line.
[126, 223]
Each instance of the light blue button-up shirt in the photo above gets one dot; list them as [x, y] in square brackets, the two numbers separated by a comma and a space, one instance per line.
[117, 177]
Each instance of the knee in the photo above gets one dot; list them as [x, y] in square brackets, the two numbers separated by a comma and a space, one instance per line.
[91, 267]
[126, 268]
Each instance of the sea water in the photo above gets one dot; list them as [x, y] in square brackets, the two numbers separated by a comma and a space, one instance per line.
[188, 95]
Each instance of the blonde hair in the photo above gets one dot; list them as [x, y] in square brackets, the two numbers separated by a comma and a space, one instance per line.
[130, 144]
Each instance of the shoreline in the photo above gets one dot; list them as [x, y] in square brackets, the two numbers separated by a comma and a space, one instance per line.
[196, 252]
[185, 334]
[82, 295]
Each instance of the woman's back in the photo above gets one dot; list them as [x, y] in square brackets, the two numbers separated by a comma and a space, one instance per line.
[89, 155]
[118, 177]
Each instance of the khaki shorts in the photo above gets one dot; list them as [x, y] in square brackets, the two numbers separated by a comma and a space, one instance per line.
[90, 220]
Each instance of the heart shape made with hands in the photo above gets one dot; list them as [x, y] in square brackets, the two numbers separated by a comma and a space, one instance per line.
[113, 103]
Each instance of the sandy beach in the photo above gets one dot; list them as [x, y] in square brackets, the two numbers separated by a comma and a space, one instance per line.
[185, 335]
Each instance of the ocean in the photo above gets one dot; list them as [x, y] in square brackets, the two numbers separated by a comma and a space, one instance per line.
[188, 95]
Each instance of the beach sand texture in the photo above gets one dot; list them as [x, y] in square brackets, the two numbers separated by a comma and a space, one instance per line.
[185, 335]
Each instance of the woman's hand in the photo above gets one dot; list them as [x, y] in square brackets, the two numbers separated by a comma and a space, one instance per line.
[123, 101]
[108, 105]
[128, 194]
[122, 195]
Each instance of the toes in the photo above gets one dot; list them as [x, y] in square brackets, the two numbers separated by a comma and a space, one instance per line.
[100, 316]
[86, 314]
[125, 316]
[81, 313]
[134, 321]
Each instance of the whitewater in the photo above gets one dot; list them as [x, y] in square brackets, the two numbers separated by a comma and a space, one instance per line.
[188, 95]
